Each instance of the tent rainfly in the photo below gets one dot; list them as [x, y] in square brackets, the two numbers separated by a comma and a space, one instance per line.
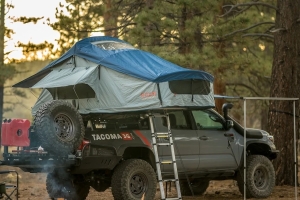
[105, 75]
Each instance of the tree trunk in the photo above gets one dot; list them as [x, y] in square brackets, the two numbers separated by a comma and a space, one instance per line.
[219, 89]
[183, 47]
[2, 32]
[110, 19]
[285, 82]
[219, 84]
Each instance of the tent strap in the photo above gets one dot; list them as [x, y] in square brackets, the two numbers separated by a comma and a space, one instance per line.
[192, 90]
[99, 71]
[74, 63]
[159, 94]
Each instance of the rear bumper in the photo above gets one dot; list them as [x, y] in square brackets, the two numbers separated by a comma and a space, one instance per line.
[35, 162]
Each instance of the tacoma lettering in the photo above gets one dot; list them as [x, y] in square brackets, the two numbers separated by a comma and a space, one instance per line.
[106, 136]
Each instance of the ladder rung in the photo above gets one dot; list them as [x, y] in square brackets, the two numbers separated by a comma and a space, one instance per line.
[162, 136]
[162, 133]
[166, 162]
[163, 144]
[170, 180]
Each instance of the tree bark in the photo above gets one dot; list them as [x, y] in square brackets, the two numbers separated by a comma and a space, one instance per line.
[285, 82]
[219, 89]
[110, 19]
[183, 46]
[219, 84]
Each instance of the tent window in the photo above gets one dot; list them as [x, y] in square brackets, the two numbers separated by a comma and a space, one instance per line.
[113, 45]
[190, 87]
[83, 91]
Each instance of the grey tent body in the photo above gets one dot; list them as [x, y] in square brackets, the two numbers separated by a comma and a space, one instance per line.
[98, 89]
[106, 79]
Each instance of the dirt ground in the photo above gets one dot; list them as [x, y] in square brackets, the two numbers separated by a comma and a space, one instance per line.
[32, 187]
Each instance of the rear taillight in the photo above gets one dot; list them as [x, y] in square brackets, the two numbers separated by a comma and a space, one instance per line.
[83, 143]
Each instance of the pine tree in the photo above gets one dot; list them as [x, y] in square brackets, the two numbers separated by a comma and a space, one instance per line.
[6, 70]
[285, 83]
[7, 67]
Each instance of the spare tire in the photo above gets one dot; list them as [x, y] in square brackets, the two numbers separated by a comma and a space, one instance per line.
[59, 127]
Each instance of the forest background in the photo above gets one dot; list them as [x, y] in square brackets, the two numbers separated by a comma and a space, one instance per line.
[251, 48]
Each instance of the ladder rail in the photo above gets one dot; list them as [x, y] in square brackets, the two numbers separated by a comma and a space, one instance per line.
[173, 157]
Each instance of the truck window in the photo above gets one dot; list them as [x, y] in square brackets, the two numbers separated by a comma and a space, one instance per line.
[207, 120]
[178, 120]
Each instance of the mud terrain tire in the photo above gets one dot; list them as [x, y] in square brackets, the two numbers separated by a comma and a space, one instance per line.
[60, 184]
[58, 127]
[132, 178]
[260, 177]
[199, 186]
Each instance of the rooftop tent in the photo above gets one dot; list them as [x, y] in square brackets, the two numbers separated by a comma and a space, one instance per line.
[105, 74]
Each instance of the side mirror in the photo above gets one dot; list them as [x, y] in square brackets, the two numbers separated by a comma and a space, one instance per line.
[229, 124]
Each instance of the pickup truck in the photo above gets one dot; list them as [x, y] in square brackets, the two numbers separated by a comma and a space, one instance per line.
[115, 150]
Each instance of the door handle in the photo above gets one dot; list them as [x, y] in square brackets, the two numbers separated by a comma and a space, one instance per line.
[203, 138]
[228, 134]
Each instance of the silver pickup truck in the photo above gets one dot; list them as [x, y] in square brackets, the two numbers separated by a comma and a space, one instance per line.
[115, 150]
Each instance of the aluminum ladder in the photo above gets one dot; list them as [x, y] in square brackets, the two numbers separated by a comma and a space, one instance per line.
[155, 141]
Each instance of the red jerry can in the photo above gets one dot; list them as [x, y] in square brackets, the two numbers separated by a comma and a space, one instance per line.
[15, 132]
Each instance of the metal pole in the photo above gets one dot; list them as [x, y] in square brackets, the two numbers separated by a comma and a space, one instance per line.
[17, 185]
[5, 154]
[244, 149]
[295, 148]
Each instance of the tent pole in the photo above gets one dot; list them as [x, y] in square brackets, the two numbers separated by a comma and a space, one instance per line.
[295, 147]
[245, 149]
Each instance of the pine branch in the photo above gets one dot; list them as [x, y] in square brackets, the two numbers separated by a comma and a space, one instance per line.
[277, 30]
[258, 35]
[248, 28]
[249, 49]
[245, 86]
[236, 12]
[249, 4]
[105, 30]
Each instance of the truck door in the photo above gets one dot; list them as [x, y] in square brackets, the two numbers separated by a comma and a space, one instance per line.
[215, 152]
[186, 143]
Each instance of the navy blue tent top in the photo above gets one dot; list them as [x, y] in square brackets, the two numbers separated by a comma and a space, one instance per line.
[120, 56]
